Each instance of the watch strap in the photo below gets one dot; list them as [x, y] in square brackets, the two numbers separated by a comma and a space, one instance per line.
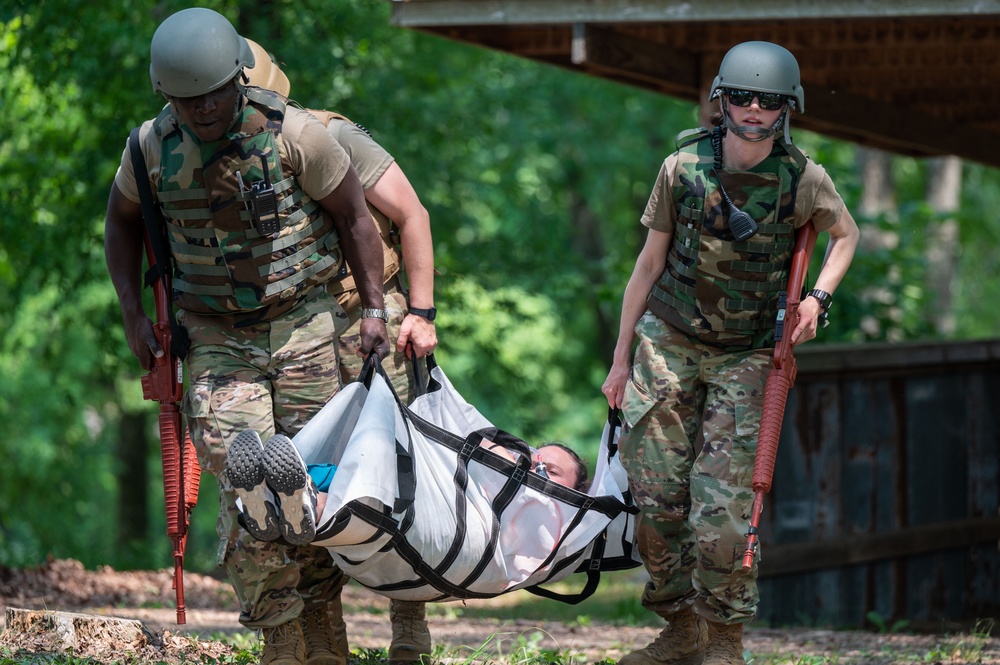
[370, 313]
[430, 314]
[824, 298]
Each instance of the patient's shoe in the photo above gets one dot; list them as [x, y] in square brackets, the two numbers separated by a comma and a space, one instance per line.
[245, 468]
[287, 476]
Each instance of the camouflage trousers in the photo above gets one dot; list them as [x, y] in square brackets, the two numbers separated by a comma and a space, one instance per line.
[271, 377]
[397, 367]
[692, 414]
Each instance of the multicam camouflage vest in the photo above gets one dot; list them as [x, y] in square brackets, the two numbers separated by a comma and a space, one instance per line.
[344, 287]
[722, 291]
[223, 265]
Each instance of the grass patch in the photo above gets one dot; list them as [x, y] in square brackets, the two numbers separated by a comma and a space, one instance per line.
[616, 601]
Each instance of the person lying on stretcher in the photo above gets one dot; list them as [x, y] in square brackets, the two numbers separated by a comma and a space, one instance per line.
[282, 496]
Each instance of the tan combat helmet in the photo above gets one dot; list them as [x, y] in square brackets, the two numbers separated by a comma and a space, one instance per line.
[196, 51]
[266, 73]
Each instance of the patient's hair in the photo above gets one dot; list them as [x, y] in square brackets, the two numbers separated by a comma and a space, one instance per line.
[582, 479]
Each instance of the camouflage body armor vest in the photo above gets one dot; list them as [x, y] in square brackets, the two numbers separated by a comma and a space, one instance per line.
[344, 288]
[722, 291]
[223, 265]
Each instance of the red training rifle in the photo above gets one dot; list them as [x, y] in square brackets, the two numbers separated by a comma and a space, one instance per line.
[181, 473]
[779, 382]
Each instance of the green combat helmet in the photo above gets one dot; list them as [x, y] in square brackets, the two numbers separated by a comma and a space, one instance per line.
[196, 51]
[761, 67]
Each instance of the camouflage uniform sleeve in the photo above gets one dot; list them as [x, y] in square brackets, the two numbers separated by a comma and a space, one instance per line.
[316, 159]
[660, 214]
[817, 199]
[125, 177]
[369, 158]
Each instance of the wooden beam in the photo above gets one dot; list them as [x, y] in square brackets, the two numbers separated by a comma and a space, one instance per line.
[418, 13]
[852, 550]
[604, 52]
[890, 358]
[900, 130]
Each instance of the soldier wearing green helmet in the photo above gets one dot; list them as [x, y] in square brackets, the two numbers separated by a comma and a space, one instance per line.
[765, 68]
[405, 228]
[261, 208]
[701, 304]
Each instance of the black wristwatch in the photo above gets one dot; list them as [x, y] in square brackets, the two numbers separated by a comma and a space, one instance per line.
[825, 300]
[429, 314]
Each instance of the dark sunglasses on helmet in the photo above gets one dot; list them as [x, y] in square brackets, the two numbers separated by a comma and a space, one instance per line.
[769, 101]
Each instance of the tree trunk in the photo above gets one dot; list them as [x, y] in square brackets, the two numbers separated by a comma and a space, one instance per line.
[588, 243]
[944, 185]
[878, 196]
[133, 480]
[878, 199]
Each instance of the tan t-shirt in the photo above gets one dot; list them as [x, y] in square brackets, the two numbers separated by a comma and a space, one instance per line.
[816, 199]
[369, 158]
[317, 161]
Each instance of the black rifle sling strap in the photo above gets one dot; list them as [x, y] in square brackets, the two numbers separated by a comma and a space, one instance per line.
[155, 230]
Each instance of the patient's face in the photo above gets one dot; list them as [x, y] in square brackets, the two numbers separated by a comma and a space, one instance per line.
[560, 465]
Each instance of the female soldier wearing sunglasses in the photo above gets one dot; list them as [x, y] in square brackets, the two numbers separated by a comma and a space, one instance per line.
[702, 302]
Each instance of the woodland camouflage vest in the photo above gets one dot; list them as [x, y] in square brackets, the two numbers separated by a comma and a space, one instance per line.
[721, 291]
[223, 265]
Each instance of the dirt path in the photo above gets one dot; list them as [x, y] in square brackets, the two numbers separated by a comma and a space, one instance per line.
[66, 586]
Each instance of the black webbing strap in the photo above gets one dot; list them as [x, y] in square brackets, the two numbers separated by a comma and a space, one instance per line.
[179, 340]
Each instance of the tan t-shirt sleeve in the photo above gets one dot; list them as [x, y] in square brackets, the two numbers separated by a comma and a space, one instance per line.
[817, 199]
[315, 158]
[369, 158]
[125, 177]
[660, 214]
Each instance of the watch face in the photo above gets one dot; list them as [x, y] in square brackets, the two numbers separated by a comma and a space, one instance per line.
[824, 298]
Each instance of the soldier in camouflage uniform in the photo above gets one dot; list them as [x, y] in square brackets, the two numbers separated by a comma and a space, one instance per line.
[701, 302]
[261, 207]
[411, 312]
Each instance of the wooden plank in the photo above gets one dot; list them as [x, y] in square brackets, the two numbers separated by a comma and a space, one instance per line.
[778, 560]
[422, 13]
[905, 130]
[982, 438]
[855, 360]
[602, 51]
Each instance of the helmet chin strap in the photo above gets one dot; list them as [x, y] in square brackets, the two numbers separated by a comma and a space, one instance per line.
[745, 131]
[241, 97]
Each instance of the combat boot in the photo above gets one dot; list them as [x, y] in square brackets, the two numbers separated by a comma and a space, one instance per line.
[682, 642]
[325, 634]
[411, 638]
[283, 645]
[725, 644]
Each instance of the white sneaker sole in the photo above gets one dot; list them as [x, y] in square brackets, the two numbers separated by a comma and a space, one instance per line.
[287, 476]
[244, 466]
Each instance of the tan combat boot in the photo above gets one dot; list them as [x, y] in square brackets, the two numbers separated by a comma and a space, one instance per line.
[682, 642]
[325, 634]
[725, 644]
[411, 638]
[283, 645]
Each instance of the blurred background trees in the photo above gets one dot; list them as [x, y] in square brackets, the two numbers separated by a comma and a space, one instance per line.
[535, 179]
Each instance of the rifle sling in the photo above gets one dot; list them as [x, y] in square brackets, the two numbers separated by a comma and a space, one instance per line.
[155, 225]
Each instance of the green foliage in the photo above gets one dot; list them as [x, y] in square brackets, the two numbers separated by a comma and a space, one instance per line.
[884, 626]
[534, 176]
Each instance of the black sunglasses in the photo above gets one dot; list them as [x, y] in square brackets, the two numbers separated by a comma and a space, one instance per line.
[769, 101]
